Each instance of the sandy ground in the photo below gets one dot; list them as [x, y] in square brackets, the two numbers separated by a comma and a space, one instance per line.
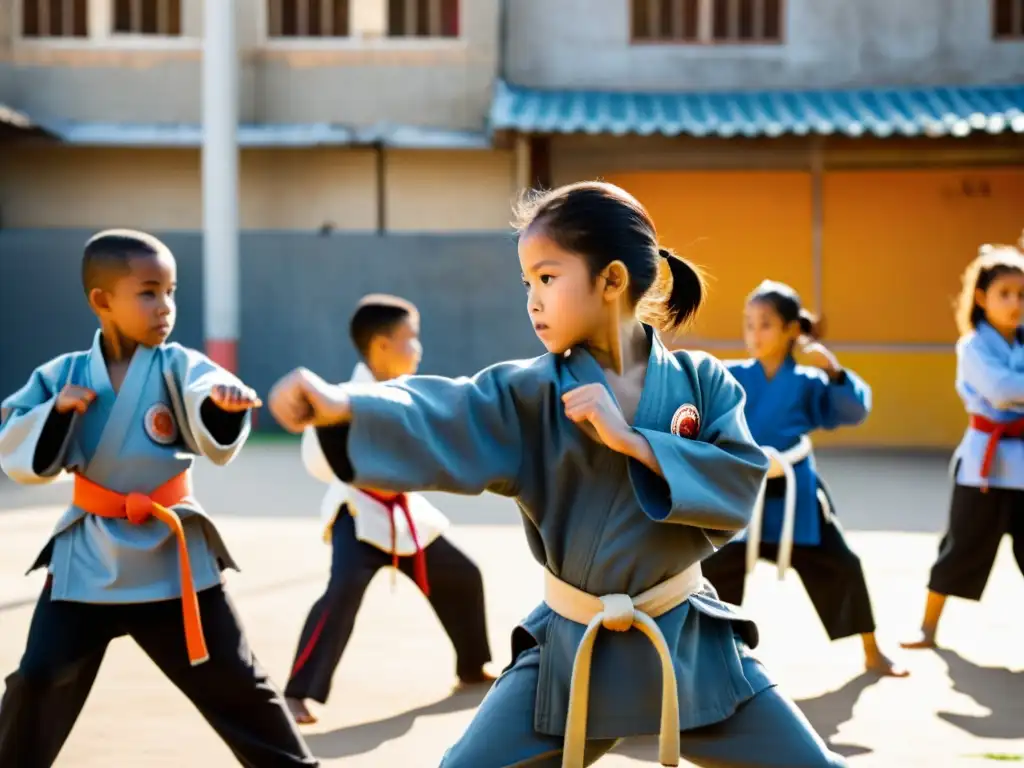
[392, 703]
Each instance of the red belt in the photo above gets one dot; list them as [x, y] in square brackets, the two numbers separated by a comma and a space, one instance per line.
[996, 431]
[401, 501]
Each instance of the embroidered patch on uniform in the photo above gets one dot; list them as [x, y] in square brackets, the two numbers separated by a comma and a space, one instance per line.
[160, 425]
[686, 421]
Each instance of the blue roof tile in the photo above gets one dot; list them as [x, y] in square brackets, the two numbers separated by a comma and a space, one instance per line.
[906, 111]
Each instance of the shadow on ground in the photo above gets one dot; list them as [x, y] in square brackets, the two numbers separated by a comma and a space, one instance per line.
[366, 737]
[826, 713]
[999, 690]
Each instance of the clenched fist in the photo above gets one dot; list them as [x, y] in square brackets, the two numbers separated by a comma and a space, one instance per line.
[591, 406]
[74, 398]
[234, 399]
[302, 399]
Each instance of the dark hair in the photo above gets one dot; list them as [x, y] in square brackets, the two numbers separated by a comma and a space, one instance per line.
[376, 315]
[992, 261]
[603, 223]
[786, 303]
[107, 255]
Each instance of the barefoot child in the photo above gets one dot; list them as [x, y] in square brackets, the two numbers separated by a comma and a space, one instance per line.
[369, 530]
[627, 461]
[795, 521]
[134, 554]
[988, 465]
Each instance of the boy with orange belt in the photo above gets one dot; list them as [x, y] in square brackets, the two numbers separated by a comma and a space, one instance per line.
[134, 554]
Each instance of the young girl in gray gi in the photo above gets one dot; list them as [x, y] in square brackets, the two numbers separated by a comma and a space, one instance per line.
[630, 464]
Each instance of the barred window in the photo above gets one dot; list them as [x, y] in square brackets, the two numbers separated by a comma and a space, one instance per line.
[307, 18]
[708, 21]
[54, 18]
[423, 18]
[147, 17]
[1008, 19]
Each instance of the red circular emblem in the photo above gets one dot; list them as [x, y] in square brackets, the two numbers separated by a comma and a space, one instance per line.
[686, 421]
[160, 425]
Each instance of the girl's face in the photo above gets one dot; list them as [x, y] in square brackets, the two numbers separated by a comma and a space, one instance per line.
[564, 303]
[765, 333]
[1003, 302]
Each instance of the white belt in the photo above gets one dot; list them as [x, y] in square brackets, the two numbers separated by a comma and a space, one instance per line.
[620, 613]
[781, 466]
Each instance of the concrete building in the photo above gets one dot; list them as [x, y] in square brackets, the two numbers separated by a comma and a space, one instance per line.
[860, 151]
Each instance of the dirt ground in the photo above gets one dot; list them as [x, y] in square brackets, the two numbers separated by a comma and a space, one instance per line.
[392, 703]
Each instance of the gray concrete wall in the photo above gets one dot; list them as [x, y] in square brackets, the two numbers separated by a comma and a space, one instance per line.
[434, 83]
[827, 43]
[297, 294]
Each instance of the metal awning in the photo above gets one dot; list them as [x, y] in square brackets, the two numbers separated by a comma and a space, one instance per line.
[905, 111]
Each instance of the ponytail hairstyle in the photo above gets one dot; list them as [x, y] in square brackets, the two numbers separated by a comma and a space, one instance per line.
[603, 223]
[786, 304]
[992, 261]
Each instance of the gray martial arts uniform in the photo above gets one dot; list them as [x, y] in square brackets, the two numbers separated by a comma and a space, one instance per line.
[604, 524]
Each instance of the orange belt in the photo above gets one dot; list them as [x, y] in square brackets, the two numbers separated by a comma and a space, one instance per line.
[996, 431]
[137, 508]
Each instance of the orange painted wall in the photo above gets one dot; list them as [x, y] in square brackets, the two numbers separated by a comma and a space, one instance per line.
[740, 226]
[914, 404]
[895, 244]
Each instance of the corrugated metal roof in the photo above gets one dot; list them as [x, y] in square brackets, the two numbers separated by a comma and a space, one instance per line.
[267, 135]
[909, 111]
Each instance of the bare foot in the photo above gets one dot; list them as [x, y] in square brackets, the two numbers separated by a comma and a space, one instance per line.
[882, 665]
[300, 713]
[923, 640]
[481, 677]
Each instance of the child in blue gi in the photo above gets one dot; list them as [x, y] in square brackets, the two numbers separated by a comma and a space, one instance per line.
[988, 465]
[795, 523]
[134, 553]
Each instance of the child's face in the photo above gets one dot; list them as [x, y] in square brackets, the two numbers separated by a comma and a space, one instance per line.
[1003, 301]
[400, 351]
[563, 304]
[141, 304]
[765, 333]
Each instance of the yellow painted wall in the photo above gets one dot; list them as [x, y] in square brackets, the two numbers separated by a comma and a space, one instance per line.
[914, 403]
[740, 226]
[895, 243]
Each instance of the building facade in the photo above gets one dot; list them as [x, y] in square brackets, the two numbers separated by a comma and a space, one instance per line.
[859, 151]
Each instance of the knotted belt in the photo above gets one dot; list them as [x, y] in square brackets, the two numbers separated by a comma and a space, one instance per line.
[420, 557]
[137, 508]
[996, 431]
[620, 613]
[781, 466]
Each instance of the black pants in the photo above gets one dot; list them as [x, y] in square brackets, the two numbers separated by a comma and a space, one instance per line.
[977, 523]
[456, 595]
[830, 571]
[66, 644]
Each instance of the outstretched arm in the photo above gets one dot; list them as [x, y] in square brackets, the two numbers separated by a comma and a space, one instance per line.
[421, 433]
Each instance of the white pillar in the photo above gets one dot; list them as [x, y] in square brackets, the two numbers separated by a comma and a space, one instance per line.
[220, 183]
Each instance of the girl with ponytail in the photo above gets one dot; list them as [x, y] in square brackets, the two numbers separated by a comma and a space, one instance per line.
[794, 520]
[629, 462]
